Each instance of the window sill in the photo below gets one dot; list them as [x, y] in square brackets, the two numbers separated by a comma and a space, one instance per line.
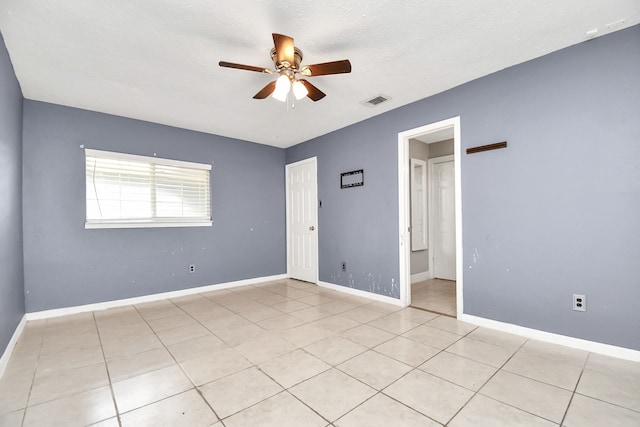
[94, 225]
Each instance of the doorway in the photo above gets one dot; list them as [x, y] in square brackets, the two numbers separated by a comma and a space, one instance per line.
[436, 267]
[302, 220]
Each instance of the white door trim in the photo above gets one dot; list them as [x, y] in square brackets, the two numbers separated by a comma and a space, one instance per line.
[286, 172]
[403, 211]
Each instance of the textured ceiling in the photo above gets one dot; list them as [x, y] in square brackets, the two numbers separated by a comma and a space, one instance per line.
[157, 60]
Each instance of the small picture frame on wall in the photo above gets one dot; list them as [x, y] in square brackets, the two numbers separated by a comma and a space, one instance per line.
[352, 179]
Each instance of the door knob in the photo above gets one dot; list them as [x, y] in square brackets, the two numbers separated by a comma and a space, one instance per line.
[312, 228]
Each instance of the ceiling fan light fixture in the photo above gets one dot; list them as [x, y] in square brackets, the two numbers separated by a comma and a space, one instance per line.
[280, 96]
[283, 85]
[299, 90]
[286, 61]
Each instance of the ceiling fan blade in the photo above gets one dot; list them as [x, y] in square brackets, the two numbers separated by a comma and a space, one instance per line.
[284, 50]
[244, 67]
[334, 67]
[265, 91]
[314, 94]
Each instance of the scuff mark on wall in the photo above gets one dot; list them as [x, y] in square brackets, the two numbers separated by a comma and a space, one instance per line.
[373, 283]
[476, 256]
[395, 289]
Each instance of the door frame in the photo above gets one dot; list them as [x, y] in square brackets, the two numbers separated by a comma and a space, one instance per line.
[287, 204]
[430, 163]
[404, 246]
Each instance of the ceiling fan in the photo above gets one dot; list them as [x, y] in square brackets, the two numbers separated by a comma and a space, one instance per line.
[286, 59]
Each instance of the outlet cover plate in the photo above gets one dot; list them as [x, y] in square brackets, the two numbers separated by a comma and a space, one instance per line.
[579, 302]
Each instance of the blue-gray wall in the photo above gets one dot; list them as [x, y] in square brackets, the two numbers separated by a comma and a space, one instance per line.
[11, 273]
[556, 213]
[66, 265]
[357, 225]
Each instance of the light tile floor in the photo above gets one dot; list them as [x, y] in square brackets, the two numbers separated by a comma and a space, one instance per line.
[435, 295]
[288, 353]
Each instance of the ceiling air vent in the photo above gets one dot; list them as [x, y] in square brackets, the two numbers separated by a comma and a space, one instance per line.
[376, 100]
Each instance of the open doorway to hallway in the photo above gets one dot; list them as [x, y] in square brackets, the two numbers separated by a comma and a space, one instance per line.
[432, 218]
[432, 213]
[435, 295]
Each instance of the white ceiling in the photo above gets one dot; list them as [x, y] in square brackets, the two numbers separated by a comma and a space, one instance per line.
[436, 136]
[158, 60]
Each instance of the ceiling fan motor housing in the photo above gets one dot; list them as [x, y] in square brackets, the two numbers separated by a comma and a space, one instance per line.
[297, 59]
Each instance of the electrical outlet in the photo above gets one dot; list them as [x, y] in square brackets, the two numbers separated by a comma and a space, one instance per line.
[344, 266]
[579, 302]
[192, 268]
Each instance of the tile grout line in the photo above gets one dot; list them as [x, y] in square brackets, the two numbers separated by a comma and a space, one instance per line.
[413, 368]
[331, 366]
[35, 370]
[212, 333]
[522, 376]
[475, 393]
[176, 361]
[429, 310]
[417, 368]
[256, 366]
[402, 403]
[106, 365]
[573, 393]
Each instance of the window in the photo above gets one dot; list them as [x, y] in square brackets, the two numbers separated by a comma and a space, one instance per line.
[126, 191]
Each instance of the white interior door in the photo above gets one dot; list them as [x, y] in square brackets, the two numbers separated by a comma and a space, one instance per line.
[302, 223]
[443, 221]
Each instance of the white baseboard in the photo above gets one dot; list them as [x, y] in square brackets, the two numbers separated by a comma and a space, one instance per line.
[420, 277]
[148, 298]
[4, 360]
[591, 346]
[359, 293]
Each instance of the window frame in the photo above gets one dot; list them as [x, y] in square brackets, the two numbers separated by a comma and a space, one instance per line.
[144, 222]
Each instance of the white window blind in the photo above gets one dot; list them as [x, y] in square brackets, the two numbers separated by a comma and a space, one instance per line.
[125, 190]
